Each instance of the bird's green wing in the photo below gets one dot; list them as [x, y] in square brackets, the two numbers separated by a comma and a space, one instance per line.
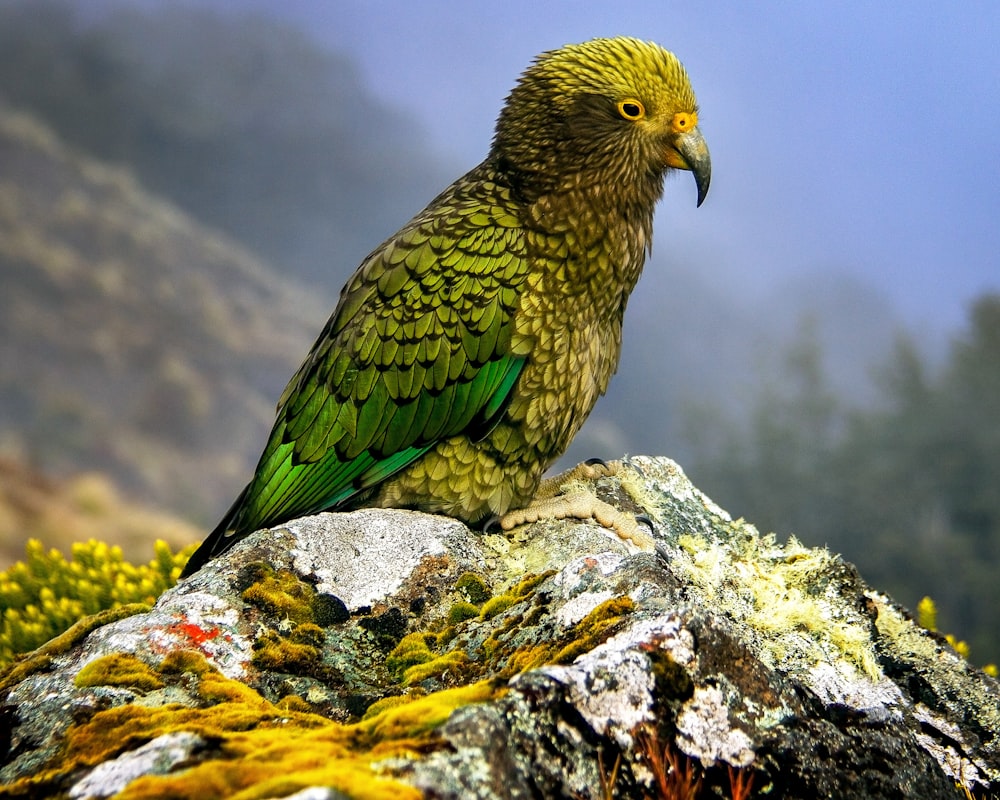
[418, 350]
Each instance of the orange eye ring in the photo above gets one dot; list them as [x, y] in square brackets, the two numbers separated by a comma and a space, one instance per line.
[684, 121]
[631, 109]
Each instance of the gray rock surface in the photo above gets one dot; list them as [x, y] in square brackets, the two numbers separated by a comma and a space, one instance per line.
[400, 652]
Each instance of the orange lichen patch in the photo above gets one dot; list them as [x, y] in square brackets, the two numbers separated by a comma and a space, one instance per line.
[195, 634]
[119, 669]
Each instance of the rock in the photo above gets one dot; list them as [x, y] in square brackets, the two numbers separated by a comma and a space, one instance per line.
[388, 653]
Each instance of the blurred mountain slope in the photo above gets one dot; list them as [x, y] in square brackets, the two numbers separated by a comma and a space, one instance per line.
[249, 125]
[132, 339]
[61, 513]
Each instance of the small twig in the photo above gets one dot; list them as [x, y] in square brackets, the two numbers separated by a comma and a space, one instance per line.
[740, 783]
[608, 781]
[675, 774]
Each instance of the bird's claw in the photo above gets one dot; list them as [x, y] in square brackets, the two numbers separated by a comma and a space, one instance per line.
[492, 524]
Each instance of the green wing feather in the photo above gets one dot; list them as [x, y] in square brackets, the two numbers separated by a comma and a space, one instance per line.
[417, 351]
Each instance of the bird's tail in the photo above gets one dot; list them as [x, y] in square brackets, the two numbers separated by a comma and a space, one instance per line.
[219, 540]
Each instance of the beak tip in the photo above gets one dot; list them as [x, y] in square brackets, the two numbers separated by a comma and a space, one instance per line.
[702, 189]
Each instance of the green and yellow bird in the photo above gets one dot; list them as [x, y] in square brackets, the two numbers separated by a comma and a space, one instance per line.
[468, 349]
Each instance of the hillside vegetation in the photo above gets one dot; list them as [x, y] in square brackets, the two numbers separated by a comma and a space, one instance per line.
[133, 340]
[62, 513]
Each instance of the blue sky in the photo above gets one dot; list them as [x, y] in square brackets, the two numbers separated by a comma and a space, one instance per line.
[848, 137]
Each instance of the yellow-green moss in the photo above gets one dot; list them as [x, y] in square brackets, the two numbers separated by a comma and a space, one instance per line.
[293, 645]
[589, 632]
[40, 658]
[506, 661]
[259, 749]
[178, 662]
[779, 591]
[119, 669]
[281, 594]
[419, 657]
[45, 594]
[514, 595]
[393, 701]
[419, 717]
[474, 588]
[524, 658]
[292, 702]
[595, 628]
[497, 606]
[215, 688]
[453, 661]
[530, 583]
[412, 649]
[282, 654]
[461, 611]
[672, 680]
[309, 634]
[927, 614]
[413, 660]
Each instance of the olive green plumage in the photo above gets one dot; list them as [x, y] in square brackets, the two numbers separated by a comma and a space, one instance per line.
[468, 349]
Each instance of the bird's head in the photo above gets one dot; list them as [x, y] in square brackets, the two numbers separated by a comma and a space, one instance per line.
[609, 111]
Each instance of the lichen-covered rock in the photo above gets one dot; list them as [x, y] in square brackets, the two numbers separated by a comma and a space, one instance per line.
[386, 653]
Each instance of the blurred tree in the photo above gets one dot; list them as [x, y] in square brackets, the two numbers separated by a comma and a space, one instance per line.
[909, 491]
[771, 467]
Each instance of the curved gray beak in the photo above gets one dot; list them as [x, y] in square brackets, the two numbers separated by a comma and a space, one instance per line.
[694, 156]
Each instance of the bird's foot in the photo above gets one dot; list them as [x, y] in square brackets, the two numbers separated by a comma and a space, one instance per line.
[581, 503]
[589, 470]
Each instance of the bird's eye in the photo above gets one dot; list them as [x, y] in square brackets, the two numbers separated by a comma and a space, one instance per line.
[684, 121]
[631, 109]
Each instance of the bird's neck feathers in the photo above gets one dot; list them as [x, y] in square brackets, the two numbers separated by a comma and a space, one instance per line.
[609, 182]
[585, 204]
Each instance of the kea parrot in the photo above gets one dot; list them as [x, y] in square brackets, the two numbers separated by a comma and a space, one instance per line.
[467, 350]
